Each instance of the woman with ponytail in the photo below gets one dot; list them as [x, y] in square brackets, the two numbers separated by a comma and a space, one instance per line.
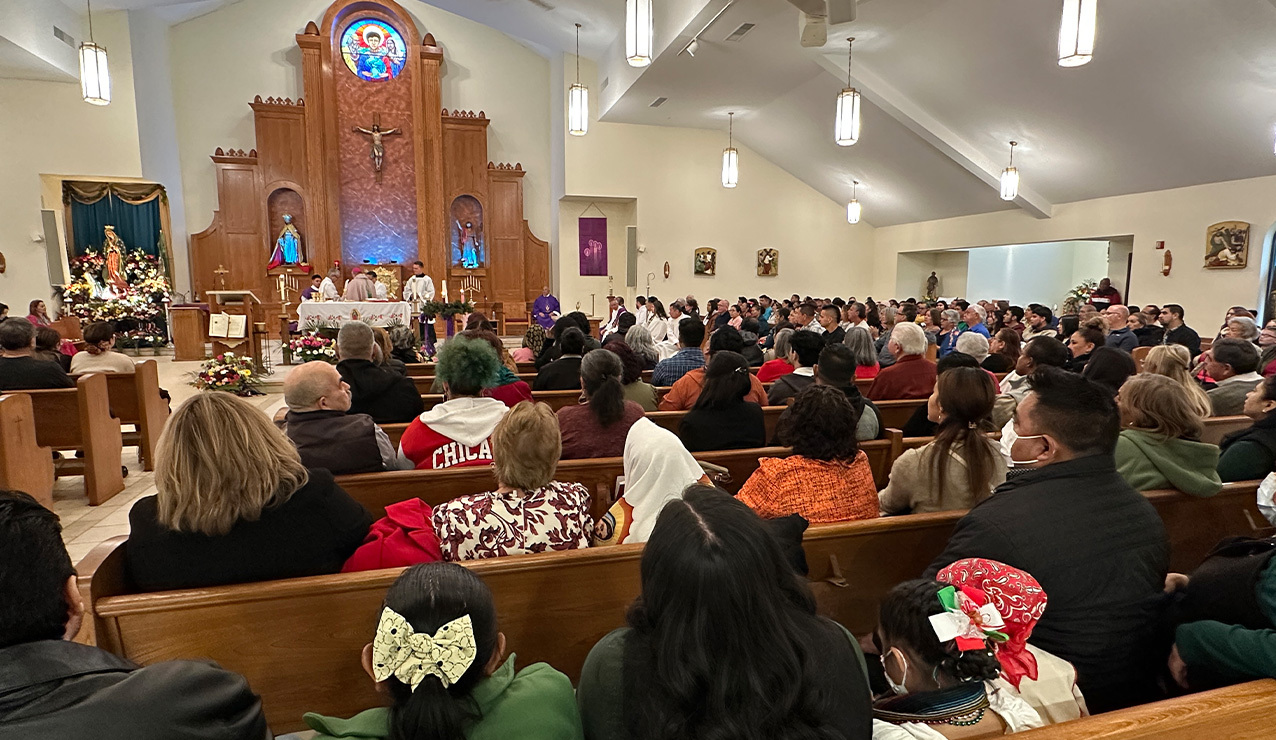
[937, 647]
[962, 466]
[439, 658]
[598, 425]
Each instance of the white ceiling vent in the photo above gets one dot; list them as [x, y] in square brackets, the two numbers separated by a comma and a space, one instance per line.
[739, 33]
[64, 37]
[658, 102]
[606, 81]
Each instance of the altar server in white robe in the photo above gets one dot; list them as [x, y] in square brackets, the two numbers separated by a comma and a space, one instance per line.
[669, 346]
[417, 290]
[328, 288]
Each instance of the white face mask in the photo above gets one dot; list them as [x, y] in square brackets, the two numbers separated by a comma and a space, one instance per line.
[899, 688]
[1027, 462]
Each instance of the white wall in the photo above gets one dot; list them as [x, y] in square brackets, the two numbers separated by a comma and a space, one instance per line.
[1034, 273]
[675, 176]
[46, 128]
[620, 215]
[1179, 217]
[222, 59]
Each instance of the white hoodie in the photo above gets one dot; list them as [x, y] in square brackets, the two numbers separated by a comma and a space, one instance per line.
[453, 434]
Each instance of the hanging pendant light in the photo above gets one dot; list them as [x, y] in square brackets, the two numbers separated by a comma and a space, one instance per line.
[846, 124]
[730, 157]
[577, 99]
[1076, 32]
[639, 36]
[853, 208]
[1010, 177]
[95, 77]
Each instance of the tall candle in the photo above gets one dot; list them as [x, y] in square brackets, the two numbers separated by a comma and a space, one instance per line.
[445, 291]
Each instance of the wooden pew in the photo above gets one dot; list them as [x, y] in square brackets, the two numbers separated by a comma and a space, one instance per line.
[298, 641]
[24, 465]
[1241, 712]
[1217, 427]
[135, 399]
[555, 399]
[671, 419]
[378, 490]
[80, 419]
[895, 414]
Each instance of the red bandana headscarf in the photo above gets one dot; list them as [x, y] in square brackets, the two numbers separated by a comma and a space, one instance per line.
[1020, 600]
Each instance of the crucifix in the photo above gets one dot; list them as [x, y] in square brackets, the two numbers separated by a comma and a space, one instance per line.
[378, 146]
[221, 273]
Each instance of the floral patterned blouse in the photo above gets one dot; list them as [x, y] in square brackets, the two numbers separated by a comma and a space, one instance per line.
[491, 525]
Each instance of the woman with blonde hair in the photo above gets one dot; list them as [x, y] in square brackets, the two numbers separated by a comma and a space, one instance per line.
[234, 504]
[1175, 362]
[1160, 445]
[528, 511]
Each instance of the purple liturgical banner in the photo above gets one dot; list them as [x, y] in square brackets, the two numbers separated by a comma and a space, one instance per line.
[593, 246]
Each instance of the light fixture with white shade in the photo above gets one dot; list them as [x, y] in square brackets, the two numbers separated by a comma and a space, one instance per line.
[1076, 32]
[846, 124]
[639, 36]
[1010, 177]
[95, 76]
[577, 99]
[730, 157]
[853, 209]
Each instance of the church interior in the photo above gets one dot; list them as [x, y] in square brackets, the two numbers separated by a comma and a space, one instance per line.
[229, 183]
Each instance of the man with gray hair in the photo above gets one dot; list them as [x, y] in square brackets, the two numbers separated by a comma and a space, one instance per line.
[912, 375]
[974, 316]
[378, 391]
[974, 344]
[324, 434]
[1119, 333]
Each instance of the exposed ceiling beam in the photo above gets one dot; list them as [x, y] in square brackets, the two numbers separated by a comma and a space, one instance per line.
[898, 106]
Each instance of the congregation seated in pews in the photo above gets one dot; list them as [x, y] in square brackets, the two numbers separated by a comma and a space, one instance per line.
[970, 649]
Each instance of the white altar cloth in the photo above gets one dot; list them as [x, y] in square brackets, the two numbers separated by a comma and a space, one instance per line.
[338, 313]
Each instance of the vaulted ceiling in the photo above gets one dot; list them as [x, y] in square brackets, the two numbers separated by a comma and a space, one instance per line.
[1180, 92]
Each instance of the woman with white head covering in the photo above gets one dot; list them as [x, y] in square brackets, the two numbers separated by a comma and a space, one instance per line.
[657, 470]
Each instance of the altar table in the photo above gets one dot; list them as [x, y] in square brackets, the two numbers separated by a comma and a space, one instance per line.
[338, 313]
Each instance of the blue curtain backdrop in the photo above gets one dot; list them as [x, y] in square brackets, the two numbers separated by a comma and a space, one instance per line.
[133, 209]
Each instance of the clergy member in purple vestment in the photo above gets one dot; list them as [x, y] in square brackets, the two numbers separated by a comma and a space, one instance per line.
[545, 309]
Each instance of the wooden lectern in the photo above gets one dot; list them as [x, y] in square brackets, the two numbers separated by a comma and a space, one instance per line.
[238, 303]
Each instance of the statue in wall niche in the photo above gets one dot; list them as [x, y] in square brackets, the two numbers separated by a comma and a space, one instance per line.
[287, 247]
[932, 287]
[113, 247]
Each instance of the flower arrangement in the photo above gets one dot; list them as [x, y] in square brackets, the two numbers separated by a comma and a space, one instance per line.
[227, 372]
[446, 310]
[141, 300]
[313, 346]
[1076, 297]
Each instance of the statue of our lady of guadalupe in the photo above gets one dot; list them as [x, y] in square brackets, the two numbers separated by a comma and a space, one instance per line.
[287, 249]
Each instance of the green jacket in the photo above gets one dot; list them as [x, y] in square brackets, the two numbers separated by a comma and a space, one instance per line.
[537, 702]
[1232, 651]
[1148, 462]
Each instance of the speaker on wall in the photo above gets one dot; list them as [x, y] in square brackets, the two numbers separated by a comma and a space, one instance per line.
[54, 255]
[631, 256]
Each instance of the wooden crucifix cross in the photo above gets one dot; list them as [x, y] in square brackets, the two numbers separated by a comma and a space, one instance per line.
[221, 273]
[378, 145]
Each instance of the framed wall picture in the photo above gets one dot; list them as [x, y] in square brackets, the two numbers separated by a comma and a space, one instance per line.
[706, 262]
[768, 262]
[1227, 245]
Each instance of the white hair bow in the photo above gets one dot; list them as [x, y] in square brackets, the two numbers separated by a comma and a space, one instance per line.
[399, 651]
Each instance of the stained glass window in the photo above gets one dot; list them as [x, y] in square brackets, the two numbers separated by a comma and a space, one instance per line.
[373, 50]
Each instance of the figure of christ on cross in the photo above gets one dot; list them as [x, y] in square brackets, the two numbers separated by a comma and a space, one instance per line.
[378, 145]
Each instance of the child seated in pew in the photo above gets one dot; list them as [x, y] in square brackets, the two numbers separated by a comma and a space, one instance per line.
[439, 658]
[456, 432]
[234, 504]
[723, 641]
[827, 478]
[936, 646]
[528, 511]
[51, 687]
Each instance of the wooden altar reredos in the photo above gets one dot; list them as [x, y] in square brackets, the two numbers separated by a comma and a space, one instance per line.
[312, 164]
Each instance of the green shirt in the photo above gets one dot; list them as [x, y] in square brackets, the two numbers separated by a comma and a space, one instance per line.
[1149, 462]
[1235, 652]
[537, 702]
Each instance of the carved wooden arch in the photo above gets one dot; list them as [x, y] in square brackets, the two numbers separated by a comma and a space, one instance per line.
[390, 11]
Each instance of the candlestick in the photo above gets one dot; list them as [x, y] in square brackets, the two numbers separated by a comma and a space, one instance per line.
[445, 291]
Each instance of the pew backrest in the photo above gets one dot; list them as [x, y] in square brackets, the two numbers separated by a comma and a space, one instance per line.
[1217, 427]
[24, 465]
[135, 399]
[80, 419]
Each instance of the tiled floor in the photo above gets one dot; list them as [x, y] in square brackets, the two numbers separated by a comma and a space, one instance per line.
[84, 526]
